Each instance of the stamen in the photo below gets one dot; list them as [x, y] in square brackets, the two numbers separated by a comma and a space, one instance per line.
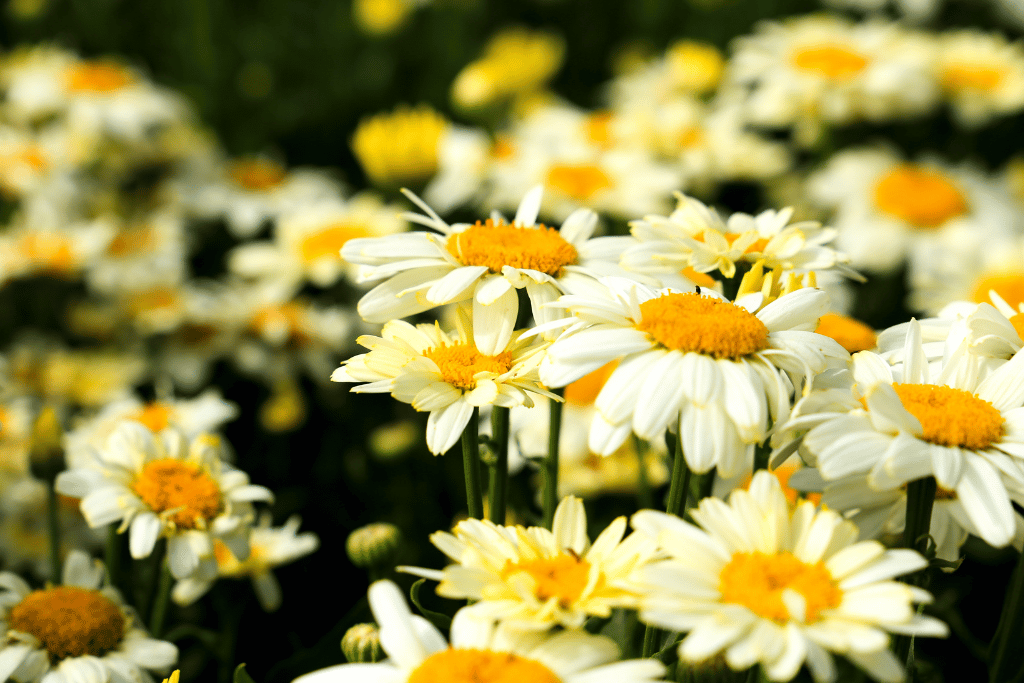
[496, 245]
[460, 363]
[702, 324]
[757, 581]
[952, 417]
[70, 621]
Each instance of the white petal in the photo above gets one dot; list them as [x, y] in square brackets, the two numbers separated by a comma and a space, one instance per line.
[493, 323]
[143, 535]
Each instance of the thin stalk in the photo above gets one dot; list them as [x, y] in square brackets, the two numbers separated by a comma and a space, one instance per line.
[112, 555]
[920, 500]
[471, 465]
[550, 466]
[53, 527]
[498, 484]
[163, 597]
[1006, 659]
[644, 495]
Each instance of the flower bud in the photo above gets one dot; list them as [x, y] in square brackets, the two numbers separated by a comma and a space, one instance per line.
[373, 546]
[361, 643]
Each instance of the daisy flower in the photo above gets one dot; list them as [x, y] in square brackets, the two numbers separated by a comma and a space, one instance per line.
[445, 373]
[721, 369]
[269, 547]
[534, 579]
[141, 255]
[695, 237]
[765, 584]
[889, 210]
[982, 75]
[76, 632]
[485, 262]
[163, 486]
[481, 652]
[950, 418]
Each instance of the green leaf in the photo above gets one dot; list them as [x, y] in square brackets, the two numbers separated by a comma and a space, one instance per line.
[241, 676]
[442, 621]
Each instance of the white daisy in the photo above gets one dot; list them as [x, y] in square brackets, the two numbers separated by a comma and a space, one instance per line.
[481, 652]
[165, 486]
[532, 578]
[765, 584]
[77, 632]
[445, 373]
[722, 369]
[982, 74]
[952, 418]
[486, 262]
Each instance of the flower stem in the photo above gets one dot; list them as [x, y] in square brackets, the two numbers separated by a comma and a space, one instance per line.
[112, 556]
[550, 465]
[163, 596]
[498, 487]
[471, 465]
[1006, 660]
[920, 500]
[53, 526]
[644, 497]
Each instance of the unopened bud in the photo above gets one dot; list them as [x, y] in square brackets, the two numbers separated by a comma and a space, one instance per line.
[361, 643]
[46, 456]
[373, 546]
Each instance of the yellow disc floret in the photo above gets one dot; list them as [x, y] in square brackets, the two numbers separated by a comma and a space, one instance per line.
[480, 666]
[563, 576]
[834, 62]
[952, 417]
[497, 245]
[329, 241]
[400, 147]
[1009, 286]
[580, 182]
[460, 363]
[257, 175]
[925, 199]
[758, 580]
[97, 77]
[185, 492]
[155, 416]
[70, 621]
[972, 78]
[702, 324]
[852, 335]
[584, 391]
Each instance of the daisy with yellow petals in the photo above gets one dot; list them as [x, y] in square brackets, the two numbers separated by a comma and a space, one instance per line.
[721, 369]
[762, 583]
[77, 632]
[445, 373]
[486, 263]
[481, 652]
[165, 486]
[533, 579]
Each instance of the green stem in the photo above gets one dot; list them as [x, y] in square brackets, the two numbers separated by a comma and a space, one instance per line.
[1006, 654]
[920, 499]
[644, 495]
[550, 466]
[112, 555]
[498, 487]
[53, 526]
[163, 597]
[471, 465]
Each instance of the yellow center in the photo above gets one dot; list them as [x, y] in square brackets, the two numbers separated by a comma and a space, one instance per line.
[835, 62]
[584, 391]
[1009, 286]
[155, 416]
[155, 299]
[97, 76]
[132, 241]
[952, 417]
[329, 241]
[702, 324]
[851, 334]
[925, 199]
[497, 245]
[598, 127]
[70, 621]
[563, 576]
[695, 67]
[580, 182]
[257, 175]
[401, 147]
[958, 78]
[460, 363]
[757, 581]
[480, 666]
[184, 490]
[48, 252]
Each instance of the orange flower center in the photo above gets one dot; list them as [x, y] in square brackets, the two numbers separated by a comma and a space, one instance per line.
[70, 621]
[329, 241]
[186, 492]
[497, 245]
[1009, 286]
[978, 78]
[132, 241]
[599, 129]
[563, 576]
[257, 175]
[757, 581]
[952, 417]
[584, 391]
[48, 252]
[580, 182]
[460, 363]
[155, 416]
[925, 199]
[153, 299]
[851, 334]
[835, 62]
[480, 666]
[702, 324]
[99, 76]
